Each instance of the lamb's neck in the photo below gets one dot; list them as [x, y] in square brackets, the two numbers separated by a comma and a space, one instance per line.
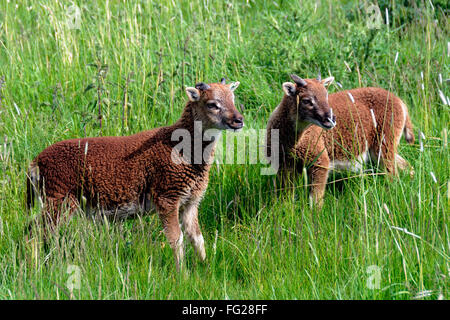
[289, 130]
[202, 139]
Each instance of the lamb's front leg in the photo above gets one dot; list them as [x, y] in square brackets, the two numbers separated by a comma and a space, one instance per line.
[189, 218]
[318, 177]
[169, 217]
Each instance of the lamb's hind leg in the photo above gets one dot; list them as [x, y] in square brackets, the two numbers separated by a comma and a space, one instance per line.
[55, 211]
[402, 164]
[191, 228]
[384, 152]
[385, 159]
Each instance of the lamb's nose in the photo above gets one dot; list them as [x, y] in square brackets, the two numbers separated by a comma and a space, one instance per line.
[239, 119]
[332, 117]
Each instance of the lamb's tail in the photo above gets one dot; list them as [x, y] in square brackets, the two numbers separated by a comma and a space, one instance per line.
[408, 129]
[32, 183]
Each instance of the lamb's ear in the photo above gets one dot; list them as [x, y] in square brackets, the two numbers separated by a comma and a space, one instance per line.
[289, 88]
[193, 94]
[234, 85]
[327, 81]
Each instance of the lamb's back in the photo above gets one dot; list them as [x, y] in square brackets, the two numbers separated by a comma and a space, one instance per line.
[98, 165]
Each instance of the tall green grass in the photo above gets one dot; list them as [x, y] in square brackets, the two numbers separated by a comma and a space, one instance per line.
[134, 60]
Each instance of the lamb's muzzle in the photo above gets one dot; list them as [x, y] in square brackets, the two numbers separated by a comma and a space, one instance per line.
[331, 119]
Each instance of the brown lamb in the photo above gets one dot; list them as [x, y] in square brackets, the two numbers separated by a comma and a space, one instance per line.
[122, 176]
[366, 123]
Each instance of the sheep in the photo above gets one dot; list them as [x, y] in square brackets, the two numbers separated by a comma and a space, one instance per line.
[366, 123]
[121, 177]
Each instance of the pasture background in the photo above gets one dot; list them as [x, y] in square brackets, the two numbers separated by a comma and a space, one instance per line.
[135, 58]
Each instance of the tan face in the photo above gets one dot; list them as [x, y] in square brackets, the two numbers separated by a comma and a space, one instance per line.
[311, 98]
[214, 105]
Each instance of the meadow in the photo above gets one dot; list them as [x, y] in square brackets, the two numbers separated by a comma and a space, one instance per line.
[76, 69]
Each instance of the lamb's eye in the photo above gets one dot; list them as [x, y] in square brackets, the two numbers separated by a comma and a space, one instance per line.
[212, 106]
[307, 101]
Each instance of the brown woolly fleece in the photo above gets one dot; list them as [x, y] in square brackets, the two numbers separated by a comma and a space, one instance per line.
[357, 136]
[123, 176]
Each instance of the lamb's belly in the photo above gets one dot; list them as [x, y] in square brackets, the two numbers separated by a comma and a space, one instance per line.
[350, 165]
[122, 211]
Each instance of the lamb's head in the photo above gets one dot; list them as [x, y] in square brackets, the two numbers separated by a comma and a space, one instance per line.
[213, 104]
[309, 101]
